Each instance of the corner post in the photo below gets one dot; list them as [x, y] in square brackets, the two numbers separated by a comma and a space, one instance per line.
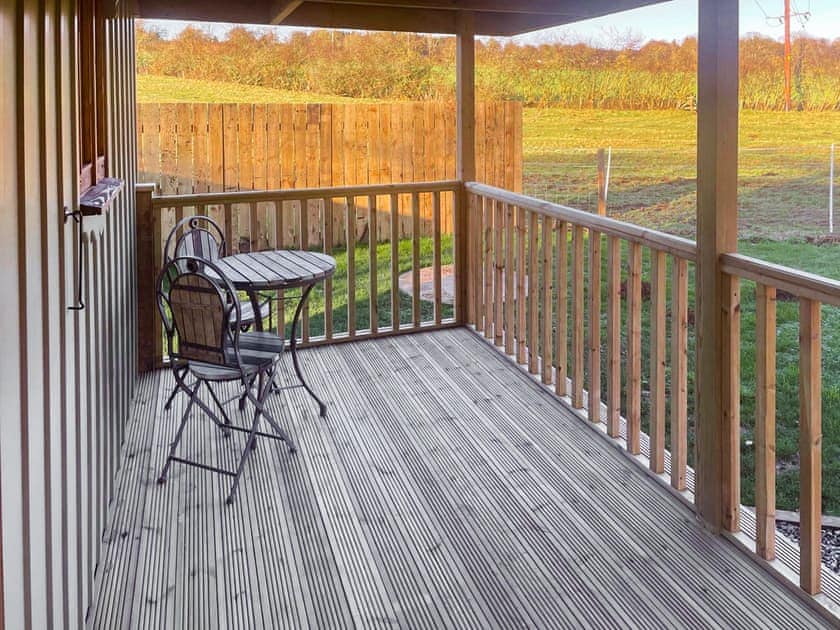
[149, 335]
[465, 153]
[717, 492]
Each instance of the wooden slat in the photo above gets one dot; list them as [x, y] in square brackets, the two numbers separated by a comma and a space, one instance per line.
[613, 336]
[498, 270]
[577, 317]
[303, 243]
[765, 421]
[679, 372]
[395, 261]
[561, 359]
[350, 239]
[533, 293]
[634, 349]
[546, 303]
[510, 274]
[487, 260]
[372, 266]
[521, 293]
[436, 259]
[329, 206]
[415, 259]
[657, 361]
[810, 445]
[731, 379]
[594, 327]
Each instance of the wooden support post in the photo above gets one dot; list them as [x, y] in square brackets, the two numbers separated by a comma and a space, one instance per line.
[634, 349]
[594, 326]
[613, 336]
[717, 474]
[657, 361]
[465, 150]
[679, 372]
[810, 445]
[149, 333]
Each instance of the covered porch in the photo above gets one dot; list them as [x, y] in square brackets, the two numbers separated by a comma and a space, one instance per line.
[446, 488]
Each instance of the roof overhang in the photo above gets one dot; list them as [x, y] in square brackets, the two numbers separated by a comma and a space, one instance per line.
[492, 17]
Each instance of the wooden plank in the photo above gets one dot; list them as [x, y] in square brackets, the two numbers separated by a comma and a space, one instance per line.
[594, 408]
[372, 265]
[498, 270]
[613, 336]
[215, 140]
[810, 445]
[328, 283]
[230, 147]
[168, 149]
[395, 261]
[634, 349]
[765, 421]
[487, 260]
[547, 304]
[415, 258]
[679, 372]
[561, 352]
[436, 258]
[200, 137]
[657, 361]
[532, 334]
[350, 236]
[303, 236]
[731, 397]
[245, 146]
[521, 293]
[577, 317]
[510, 274]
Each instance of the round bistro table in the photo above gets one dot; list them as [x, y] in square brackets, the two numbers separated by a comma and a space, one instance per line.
[279, 270]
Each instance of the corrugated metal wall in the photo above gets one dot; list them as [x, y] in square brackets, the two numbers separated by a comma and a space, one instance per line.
[66, 378]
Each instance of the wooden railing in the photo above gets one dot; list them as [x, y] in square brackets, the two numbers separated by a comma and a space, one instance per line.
[382, 226]
[812, 291]
[531, 289]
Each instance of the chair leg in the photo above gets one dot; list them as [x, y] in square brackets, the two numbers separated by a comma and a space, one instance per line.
[176, 441]
[274, 424]
[249, 445]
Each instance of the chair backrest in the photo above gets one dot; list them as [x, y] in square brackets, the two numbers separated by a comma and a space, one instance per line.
[201, 237]
[200, 311]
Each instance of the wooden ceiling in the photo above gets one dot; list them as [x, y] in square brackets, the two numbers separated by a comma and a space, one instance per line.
[492, 17]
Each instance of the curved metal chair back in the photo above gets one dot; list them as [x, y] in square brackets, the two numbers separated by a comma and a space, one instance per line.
[200, 311]
[202, 238]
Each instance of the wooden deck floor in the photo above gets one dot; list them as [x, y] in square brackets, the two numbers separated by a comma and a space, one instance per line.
[445, 489]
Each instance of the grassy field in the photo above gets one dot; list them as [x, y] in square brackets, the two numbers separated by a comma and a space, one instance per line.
[165, 89]
[784, 167]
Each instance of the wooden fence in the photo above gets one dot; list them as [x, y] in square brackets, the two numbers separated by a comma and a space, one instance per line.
[187, 148]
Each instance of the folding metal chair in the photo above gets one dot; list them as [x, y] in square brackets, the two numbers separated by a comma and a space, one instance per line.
[201, 237]
[201, 316]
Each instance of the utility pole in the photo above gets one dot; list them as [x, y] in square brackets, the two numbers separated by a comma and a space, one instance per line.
[787, 56]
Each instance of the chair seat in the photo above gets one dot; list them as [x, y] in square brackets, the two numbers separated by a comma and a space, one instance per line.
[247, 311]
[256, 349]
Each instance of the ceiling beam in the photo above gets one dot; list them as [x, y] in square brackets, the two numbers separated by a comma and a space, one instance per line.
[282, 10]
[550, 7]
[376, 18]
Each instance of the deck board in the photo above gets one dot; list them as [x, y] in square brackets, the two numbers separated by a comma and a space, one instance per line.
[444, 489]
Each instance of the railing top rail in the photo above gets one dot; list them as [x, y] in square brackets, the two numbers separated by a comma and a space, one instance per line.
[799, 283]
[675, 245]
[251, 196]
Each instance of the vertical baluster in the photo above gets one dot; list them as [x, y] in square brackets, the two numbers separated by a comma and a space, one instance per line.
[328, 283]
[278, 244]
[731, 446]
[765, 421]
[230, 247]
[303, 239]
[533, 293]
[679, 372]
[521, 293]
[810, 441]
[478, 261]
[577, 317]
[350, 226]
[547, 302]
[613, 336]
[509, 276]
[372, 243]
[254, 226]
[488, 205]
[395, 261]
[594, 409]
[436, 253]
[561, 358]
[415, 258]
[657, 361]
[634, 349]
[498, 231]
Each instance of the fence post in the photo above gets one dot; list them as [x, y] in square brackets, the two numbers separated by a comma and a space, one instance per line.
[149, 334]
[831, 193]
[602, 183]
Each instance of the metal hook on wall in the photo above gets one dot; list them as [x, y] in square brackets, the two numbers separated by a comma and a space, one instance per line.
[77, 216]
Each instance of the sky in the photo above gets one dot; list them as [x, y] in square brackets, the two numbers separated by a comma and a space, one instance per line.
[673, 20]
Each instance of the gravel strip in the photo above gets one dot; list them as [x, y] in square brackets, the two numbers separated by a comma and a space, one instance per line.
[829, 547]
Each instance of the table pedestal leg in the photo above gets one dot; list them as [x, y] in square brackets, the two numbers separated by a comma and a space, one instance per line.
[293, 347]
